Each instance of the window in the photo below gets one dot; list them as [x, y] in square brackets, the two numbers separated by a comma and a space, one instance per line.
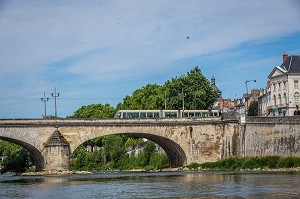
[284, 85]
[296, 98]
[279, 86]
[284, 98]
[279, 98]
[274, 99]
[296, 85]
[274, 87]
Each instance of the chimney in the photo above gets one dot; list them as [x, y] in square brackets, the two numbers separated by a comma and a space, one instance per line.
[284, 56]
[268, 84]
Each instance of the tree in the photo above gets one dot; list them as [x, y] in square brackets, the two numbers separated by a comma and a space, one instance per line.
[193, 87]
[94, 111]
[253, 108]
[16, 158]
[148, 97]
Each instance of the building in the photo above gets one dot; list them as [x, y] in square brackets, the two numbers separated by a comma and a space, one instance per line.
[264, 100]
[284, 86]
[213, 84]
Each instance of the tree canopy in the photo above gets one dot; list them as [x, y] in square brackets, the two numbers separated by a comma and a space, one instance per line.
[94, 111]
[253, 108]
[193, 91]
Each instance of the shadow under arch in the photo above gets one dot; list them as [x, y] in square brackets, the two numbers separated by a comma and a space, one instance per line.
[36, 154]
[175, 153]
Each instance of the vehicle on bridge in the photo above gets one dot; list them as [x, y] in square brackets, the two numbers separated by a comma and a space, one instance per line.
[166, 113]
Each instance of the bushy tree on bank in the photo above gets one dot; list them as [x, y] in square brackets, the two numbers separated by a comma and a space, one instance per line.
[15, 158]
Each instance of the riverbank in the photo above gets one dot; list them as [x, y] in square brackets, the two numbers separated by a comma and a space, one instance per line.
[46, 173]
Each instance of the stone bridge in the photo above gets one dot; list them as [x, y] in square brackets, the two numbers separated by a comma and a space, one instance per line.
[185, 140]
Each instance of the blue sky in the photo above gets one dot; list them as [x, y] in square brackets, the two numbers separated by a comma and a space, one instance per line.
[99, 51]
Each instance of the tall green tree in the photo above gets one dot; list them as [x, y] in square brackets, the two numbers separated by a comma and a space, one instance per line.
[192, 89]
[253, 108]
[148, 97]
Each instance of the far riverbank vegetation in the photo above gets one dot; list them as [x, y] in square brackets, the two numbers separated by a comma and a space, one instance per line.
[248, 163]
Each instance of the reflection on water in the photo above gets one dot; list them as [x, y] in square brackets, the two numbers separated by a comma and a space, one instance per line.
[179, 185]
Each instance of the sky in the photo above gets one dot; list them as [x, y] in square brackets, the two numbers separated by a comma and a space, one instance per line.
[99, 51]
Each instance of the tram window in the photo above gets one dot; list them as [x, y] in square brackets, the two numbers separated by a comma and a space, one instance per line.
[132, 115]
[171, 115]
[143, 115]
[156, 115]
[198, 115]
[149, 115]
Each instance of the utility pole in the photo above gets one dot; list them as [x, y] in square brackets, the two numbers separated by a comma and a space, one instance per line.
[44, 99]
[55, 95]
[183, 96]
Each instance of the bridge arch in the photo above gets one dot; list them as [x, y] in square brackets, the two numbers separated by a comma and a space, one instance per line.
[175, 153]
[36, 154]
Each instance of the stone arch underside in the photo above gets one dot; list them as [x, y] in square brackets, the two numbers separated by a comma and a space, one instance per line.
[36, 154]
[175, 153]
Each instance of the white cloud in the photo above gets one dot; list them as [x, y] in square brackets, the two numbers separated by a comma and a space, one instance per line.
[44, 42]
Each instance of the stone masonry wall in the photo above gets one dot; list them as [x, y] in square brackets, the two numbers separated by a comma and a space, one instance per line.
[264, 136]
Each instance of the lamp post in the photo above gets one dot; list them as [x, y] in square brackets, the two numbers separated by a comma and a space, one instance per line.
[44, 99]
[246, 82]
[183, 96]
[55, 95]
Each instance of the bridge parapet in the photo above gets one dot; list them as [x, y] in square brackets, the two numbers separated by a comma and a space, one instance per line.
[273, 120]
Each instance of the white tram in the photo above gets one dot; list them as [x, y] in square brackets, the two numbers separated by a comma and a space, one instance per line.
[166, 113]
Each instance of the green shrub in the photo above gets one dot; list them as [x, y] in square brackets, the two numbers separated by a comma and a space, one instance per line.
[193, 166]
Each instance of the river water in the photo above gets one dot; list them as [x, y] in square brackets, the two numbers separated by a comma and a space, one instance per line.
[177, 185]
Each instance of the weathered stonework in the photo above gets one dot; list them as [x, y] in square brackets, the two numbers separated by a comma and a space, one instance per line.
[264, 136]
[184, 140]
[56, 152]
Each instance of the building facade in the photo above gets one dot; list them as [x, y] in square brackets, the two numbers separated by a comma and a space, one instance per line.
[284, 86]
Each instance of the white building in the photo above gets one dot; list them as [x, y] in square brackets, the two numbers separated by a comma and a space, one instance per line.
[284, 86]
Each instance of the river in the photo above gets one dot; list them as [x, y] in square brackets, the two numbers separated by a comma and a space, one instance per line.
[175, 185]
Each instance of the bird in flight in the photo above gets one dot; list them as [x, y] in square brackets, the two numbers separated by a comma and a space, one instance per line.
[187, 37]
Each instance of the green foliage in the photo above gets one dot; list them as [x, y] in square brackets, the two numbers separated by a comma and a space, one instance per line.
[193, 166]
[94, 111]
[253, 108]
[16, 158]
[148, 97]
[195, 88]
[112, 155]
[252, 163]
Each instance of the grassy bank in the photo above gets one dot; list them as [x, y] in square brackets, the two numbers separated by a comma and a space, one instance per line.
[268, 162]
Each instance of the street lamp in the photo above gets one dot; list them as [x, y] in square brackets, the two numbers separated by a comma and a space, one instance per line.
[246, 82]
[44, 99]
[55, 95]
